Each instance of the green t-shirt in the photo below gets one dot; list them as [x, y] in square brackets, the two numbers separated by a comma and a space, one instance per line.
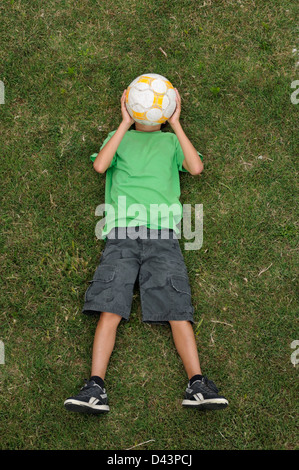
[142, 181]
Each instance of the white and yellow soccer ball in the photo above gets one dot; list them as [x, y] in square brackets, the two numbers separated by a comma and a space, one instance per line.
[150, 99]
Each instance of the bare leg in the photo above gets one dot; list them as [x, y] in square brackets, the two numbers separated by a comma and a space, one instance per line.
[104, 341]
[184, 340]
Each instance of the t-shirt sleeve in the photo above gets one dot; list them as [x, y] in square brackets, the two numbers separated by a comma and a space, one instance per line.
[179, 155]
[94, 155]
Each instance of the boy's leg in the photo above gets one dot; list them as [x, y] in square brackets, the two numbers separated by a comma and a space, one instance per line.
[93, 398]
[104, 341]
[184, 340]
[201, 392]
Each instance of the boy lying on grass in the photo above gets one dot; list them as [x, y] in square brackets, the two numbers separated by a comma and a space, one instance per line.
[143, 167]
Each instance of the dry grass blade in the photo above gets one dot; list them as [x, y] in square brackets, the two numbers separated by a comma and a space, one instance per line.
[141, 443]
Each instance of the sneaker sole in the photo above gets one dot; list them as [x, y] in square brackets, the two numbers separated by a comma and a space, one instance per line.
[213, 404]
[82, 407]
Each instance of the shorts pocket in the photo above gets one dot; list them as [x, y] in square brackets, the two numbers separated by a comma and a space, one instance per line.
[100, 287]
[104, 273]
[180, 284]
[180, 295]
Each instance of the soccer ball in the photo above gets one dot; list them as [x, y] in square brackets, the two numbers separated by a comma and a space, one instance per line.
[150, 99]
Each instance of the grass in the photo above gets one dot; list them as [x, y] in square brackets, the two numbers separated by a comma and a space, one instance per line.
[64, 65]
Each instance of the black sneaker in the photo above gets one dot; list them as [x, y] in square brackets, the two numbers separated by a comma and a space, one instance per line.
[91, 399]
[203, 394]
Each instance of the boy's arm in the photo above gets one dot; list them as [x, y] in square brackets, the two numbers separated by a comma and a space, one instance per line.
[104, 157]
[192, 161]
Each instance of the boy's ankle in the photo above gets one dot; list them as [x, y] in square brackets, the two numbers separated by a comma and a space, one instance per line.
[98, 380]
[195, 377]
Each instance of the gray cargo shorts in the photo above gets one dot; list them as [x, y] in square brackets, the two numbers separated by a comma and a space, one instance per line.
[156, 264]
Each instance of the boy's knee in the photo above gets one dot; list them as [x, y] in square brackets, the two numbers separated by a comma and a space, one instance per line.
[110, 318]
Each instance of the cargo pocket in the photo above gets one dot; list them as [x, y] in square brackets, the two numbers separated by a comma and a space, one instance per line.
[180, 284]
[100, 288]
[180, 293]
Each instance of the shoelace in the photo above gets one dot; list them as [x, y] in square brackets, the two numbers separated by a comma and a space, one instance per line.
[87, 386]
[208, 384]
[211, 384]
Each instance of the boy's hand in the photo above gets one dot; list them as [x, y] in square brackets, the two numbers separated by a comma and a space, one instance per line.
[127, 119]
[176, 115]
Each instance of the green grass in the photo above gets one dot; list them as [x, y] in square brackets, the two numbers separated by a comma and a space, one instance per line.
[64, 65]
